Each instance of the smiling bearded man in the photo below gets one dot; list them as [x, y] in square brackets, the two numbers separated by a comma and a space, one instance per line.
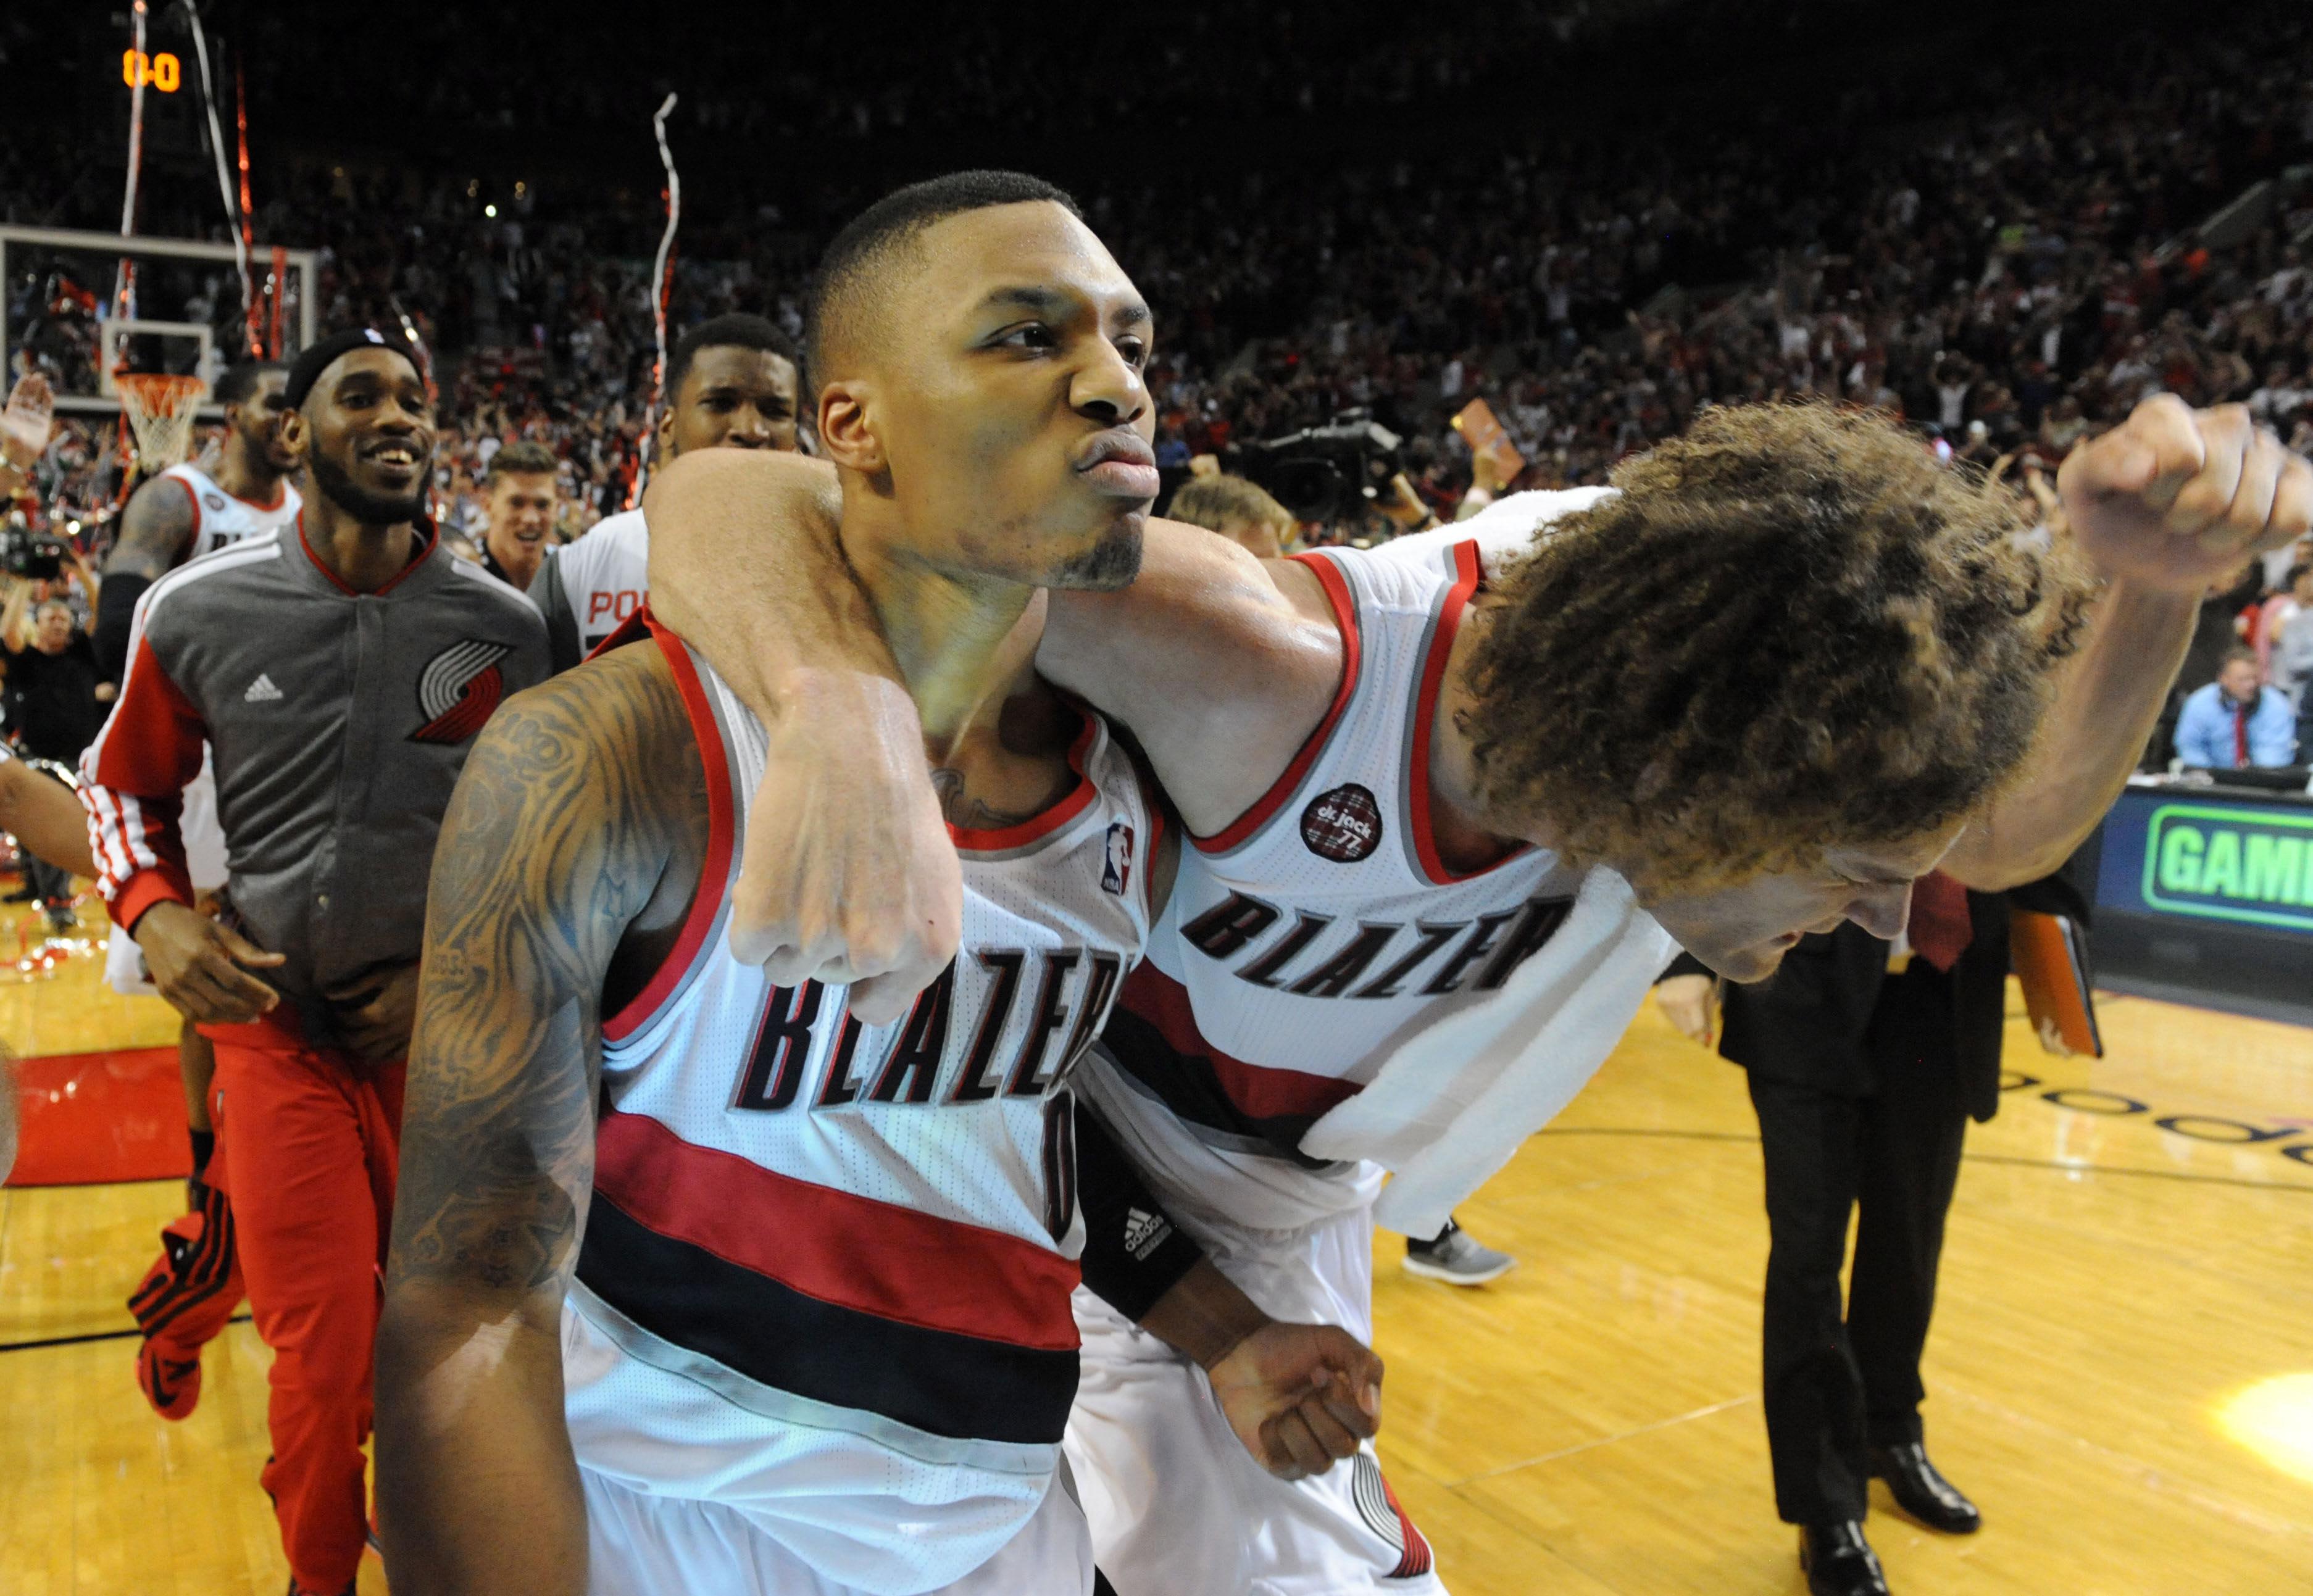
[339, 669]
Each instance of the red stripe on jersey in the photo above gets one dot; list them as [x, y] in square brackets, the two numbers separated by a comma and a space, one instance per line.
[896, 1263]
[1450, 612]
[1258, 1091]
[715, 874]
[633, 629]
[428, 538]
[1067, 808]
[149, 748]
[1345, 618]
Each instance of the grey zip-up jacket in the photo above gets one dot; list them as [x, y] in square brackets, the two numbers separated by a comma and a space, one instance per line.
[339, 721]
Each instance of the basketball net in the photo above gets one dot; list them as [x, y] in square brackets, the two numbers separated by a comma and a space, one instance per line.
[160, 407]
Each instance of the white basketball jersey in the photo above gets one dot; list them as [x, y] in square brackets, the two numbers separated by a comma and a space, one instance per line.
[1305, 943]
[605, 576]
[826, 1272]
[219, 520]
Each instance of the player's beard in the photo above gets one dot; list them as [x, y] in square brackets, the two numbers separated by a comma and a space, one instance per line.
[371, 509]
[1108, 565]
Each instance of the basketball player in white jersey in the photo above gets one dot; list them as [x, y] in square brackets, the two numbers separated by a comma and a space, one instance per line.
[731, 383]
[1790, 666]
[241, 489]
[790, 1311]
[238, 491]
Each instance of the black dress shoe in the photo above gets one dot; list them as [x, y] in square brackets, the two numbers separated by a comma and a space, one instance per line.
[1839, 1562]
[1922, 1492]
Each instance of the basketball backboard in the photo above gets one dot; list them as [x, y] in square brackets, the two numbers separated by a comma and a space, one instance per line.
[58, 309]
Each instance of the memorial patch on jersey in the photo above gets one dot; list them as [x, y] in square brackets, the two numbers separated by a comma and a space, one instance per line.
[213, 502]
[459, 690]
[1343, 825]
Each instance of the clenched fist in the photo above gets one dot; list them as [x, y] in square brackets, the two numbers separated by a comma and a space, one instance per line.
[2176, 499]
[1300, 1397]
[848, 874]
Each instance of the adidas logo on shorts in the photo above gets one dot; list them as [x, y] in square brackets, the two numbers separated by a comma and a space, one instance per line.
[1143, 1231]
[261, 691]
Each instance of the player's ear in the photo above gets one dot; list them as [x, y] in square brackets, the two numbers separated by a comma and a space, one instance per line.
[667, 433]
[847, 431]
[293, 429]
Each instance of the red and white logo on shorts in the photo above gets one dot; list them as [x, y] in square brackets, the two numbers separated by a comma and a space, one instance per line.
[459, 690]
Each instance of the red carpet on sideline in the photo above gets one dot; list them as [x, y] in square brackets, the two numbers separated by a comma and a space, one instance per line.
[98, 1116]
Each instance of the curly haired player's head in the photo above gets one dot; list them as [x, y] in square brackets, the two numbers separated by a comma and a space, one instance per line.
[1792, 632]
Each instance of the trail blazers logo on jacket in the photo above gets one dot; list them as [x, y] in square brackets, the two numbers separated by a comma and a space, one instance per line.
[459, 690]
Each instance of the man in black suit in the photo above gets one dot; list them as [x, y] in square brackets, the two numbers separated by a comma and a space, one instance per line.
[1865, 1068]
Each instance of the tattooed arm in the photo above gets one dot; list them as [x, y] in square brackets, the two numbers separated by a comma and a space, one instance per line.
[155, 531]
[568, 859]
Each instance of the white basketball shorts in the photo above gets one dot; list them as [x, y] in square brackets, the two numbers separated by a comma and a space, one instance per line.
[1178, 1506]
[640, 1545]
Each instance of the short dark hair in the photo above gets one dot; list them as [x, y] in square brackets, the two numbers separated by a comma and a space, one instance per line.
[875, 234]
[734, 330]
[522, 458]
[238, 384]
[2236, 655]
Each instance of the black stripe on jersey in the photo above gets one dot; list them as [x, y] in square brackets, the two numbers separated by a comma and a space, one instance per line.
[937, 1380]
[1187, 1084]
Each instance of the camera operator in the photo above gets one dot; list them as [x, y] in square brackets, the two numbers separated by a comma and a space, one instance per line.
[58, 698]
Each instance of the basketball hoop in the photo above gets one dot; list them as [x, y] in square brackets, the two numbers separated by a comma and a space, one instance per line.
[161, 408]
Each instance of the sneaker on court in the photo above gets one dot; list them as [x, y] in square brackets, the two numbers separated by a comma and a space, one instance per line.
[1456, 1259]
[172, 1385]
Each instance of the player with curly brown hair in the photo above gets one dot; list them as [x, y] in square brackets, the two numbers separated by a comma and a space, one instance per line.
[1789, 630]
[1447, 822]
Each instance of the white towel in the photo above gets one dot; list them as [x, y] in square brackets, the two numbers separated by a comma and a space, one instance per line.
[1453, 1104]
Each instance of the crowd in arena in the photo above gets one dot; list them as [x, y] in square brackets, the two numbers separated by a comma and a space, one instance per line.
[1837, 669]
[2011, 267]
[2008, 259]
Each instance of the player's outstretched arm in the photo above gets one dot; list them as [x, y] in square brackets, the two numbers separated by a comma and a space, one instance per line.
[559, 837]
[848, 874]
[2167, 504]
[1222, 666]
[155, 531]
[41, 813]
[1222, 663]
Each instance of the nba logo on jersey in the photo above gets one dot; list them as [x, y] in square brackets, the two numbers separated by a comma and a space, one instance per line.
[1116, 864]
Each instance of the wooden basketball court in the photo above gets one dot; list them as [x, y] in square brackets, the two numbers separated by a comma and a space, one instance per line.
[2120, 1371]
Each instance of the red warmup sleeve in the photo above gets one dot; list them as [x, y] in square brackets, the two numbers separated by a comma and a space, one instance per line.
[132, 784]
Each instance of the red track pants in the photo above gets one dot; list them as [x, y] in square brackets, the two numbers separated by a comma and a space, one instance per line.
[308, 1137]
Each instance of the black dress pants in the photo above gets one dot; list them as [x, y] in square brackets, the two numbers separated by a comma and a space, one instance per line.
[1836, 1383]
